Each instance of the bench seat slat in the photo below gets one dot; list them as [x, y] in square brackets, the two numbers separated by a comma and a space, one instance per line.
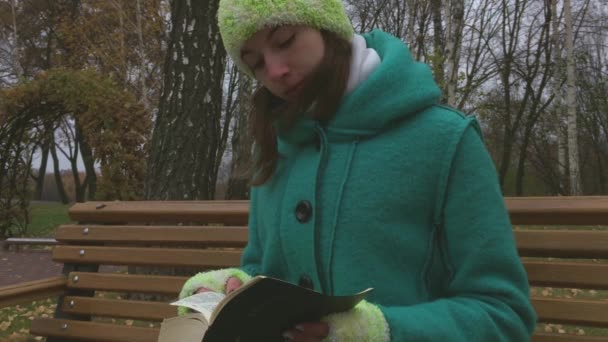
[126, 282]
[571, 311]
[225, 212]
[549, 337]
[147, 256]
[580, 210]
[224, 236]
[562, 243]
[92, 331]
[119, 308]
[580, 275]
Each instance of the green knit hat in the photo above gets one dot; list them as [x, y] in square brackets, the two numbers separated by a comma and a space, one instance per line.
[239, 20]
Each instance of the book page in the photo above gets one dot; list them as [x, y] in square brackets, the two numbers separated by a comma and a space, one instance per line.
[204, 302]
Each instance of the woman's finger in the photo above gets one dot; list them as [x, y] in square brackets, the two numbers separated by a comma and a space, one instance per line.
[201, 290]
[232, 284]
[307, 332]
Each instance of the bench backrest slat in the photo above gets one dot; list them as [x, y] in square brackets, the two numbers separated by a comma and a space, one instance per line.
[206, 258]
[206, 235]
[562, 243]
[207, 212]
[91, 331]
[119, 308]
[585, 275]
[568, 311]
[590, 210]
[168, 285]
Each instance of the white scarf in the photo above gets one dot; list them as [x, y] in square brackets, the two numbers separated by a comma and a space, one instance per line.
[363, 61]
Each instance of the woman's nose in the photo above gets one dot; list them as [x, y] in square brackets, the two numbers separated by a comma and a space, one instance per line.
[276, 69]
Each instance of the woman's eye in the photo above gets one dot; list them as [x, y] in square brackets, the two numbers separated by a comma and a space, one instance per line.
[287, 42]
[258, 65]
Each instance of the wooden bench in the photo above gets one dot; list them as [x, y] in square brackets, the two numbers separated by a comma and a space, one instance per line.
[209, 235]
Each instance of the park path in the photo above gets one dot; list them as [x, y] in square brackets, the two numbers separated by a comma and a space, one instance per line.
[26, 265]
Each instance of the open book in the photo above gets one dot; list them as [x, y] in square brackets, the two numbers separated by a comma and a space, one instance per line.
[263, 308]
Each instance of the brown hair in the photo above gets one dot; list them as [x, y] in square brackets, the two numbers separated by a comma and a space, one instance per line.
[325, 88]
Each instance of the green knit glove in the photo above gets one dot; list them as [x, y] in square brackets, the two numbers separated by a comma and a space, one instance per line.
[213, 280]
[365, 322]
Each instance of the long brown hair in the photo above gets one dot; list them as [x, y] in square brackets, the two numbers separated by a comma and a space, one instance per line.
[324, 88]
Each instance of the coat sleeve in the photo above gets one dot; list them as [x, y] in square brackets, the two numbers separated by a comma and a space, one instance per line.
[216, 280]
[486, 296]
[251, 259]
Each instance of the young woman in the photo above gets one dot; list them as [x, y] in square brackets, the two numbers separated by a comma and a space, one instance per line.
[363, 180]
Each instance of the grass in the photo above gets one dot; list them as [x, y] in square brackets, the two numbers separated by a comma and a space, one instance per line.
[45, 217]
[15, 321]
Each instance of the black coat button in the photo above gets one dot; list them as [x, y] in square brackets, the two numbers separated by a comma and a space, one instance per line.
[303, 211]
[305, 282]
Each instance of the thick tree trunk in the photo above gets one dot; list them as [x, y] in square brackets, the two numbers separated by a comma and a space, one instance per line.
[183, 161]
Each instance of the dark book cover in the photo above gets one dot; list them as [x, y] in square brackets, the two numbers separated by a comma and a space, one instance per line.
[262, 309]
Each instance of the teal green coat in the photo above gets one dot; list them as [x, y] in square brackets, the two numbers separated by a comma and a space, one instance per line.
[403, 198]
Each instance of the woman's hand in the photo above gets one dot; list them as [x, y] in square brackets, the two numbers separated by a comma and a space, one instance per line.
[308, 332]
[232, 284]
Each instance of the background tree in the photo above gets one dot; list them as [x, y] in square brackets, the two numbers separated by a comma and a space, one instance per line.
[113, 126]
[187, 136]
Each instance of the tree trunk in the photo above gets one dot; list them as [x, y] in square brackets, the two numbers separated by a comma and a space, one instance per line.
[456, 20]
[411, 32]
[89, 165]
[438, 42]
[183, 159]
[79, 188]
[242, 141]
[557, 97]
[15, 55]
[573, 160]
[58, 179]
[44, 157]
[142, 58]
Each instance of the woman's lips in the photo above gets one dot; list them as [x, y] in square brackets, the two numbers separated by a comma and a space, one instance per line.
[293, 90]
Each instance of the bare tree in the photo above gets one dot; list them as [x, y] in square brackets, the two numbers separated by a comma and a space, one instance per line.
[438, 42]
[573, 161]
[453, 46]
[142, 57]
[17, 70]
[481, 28]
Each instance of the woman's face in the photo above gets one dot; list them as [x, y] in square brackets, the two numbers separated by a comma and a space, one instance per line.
[284, 56]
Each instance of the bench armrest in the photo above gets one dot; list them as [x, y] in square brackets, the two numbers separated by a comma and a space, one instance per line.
[27, 292]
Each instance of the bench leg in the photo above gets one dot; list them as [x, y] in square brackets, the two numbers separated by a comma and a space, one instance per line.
[59, 313]
[67, 268]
